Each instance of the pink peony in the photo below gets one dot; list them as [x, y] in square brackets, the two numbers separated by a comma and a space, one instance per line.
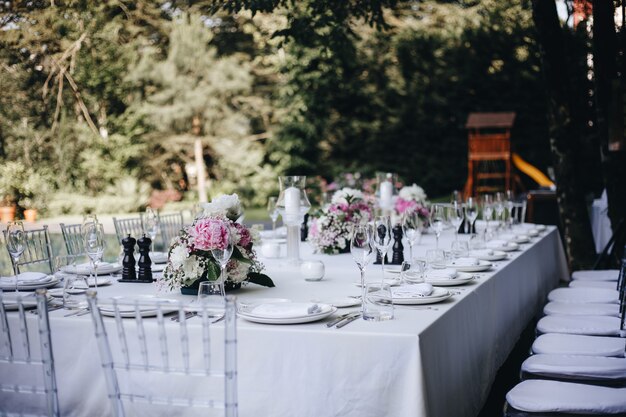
[403, 205]
[208, 234]
[244, 235]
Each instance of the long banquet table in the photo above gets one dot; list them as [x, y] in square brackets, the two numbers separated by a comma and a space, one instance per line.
[424, 362]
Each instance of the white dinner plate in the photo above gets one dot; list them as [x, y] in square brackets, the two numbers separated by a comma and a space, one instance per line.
[30, 286]
[497, 255]
[146, 310]
[247, 303]
[461, 278]
[10, 304]
[344, 302]
[392, 282]
[510, 247]
[482, 266]
[104, 268]
[393, 269]
[58, 292]
[438, 295]
[290, 320]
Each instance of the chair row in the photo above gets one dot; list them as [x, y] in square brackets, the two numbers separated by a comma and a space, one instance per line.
[578, 360]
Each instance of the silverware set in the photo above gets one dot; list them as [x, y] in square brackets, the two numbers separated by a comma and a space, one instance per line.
[344, 319]
[77, 313]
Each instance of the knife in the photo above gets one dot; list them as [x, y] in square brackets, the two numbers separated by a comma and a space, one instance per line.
[348, 321]
[340, 318]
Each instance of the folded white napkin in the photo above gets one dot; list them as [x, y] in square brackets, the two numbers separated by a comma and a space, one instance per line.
[26, 278]
[497, 243]
[464, 261]
[412, 291]
[481, 252]
[287, 310]
[445, 273]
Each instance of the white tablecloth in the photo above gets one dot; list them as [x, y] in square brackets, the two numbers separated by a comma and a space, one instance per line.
[423, 363]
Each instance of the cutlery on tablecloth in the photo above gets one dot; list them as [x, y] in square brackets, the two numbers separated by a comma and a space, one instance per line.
[341, 318]
[347, 321]
[79, 312]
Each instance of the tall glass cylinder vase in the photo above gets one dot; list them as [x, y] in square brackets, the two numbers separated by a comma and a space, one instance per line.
[293, 204]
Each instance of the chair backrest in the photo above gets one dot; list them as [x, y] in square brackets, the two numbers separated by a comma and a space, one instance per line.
[167, 350]
[73, 239]
[18, 348]
[171, 225]
[132, 226]
[38, 249]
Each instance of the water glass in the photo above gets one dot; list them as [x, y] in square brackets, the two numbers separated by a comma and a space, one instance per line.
[377, 302]
[413, 272]
[459, 249]
[476, 242]
[210, 296]
[16, 244]
[435, 258]
[74, 285]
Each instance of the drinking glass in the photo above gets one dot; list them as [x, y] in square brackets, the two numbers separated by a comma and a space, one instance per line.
[487, 209]
[498, 205]
[476, 242]
[211, 296]
[413, 272]
[273, 212]
[510, 204]
[459, 249]
[93, 240]
[377, 302]
[382, 237]
[74, 285]
[435, 258]
[471, 212]
[151, 224]
[222, 256]
[362, 250]
[16, 243]
[412, 229]
[437, 220]
[456, 216]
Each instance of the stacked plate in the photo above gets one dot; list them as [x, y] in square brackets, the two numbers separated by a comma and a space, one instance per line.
[418, 294]
[9, 299]
[146, 306]
[447, 277]
[285, 312]
[469, 265]
[28, 281]
[104, 268]
[502, 245]
[488, 254]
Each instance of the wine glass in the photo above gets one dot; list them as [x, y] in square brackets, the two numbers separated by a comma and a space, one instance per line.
[499, 203]
[471, 212]
[273, 212]
[362, 250]
[94, 242]
[456, 217]
[151, 224]
[222, 256]
[16, 243]
[382, 237]
[487, 210]
[412, 229]
[437, 220]
[510, 204]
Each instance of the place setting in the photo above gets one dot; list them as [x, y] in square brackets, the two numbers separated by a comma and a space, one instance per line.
[285, 312]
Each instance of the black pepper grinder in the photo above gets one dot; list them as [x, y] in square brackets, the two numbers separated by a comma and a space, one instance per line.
[128, 263]
[145, 263]
[382, 231]
[397, 256]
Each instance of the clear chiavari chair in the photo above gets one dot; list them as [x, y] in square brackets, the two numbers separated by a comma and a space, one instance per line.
[19, 346]
[171, 225]
[73, 239]
[193, 353]
[131, 226]
[38, 249]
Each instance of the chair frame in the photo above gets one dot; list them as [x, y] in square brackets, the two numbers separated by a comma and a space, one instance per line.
[73, 239]
[132, 225]
[170, 225]
[38, 249]
[13, 351]
[111, 364]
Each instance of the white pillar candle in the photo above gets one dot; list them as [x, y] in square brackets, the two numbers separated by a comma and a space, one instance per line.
[292, 201]
[386, 193]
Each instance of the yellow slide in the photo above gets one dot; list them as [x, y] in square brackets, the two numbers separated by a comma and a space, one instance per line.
[532, 171]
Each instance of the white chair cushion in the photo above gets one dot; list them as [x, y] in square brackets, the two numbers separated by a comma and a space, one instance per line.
[585, 325]
[581, 309]
[574, 344]
[537, 395]
[584, 295]
[592, 367]
[596, 275]
[609, 285]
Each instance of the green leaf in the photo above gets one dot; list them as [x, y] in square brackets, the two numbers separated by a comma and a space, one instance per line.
[212, 271]
[260, 279]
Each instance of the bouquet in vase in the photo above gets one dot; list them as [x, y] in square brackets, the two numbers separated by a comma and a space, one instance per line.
[412, 198]
[189, 258]
[330, 231]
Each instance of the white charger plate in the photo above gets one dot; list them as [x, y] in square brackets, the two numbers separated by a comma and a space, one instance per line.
[291, 320]
[497, 255]
[482, 266]
[438, 295]
[461, 278]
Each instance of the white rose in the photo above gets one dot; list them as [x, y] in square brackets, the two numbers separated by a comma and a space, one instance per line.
[413, 193]
[342, 196]
[227, 205]
[178, 256]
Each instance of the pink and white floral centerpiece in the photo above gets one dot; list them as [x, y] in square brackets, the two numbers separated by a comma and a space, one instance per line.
[412, 198]
[330, 231]
[190, 260]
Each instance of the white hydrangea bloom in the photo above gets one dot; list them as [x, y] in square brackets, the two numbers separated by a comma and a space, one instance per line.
[178, 255]
[342, 196]
[225, 204]
[413, 193]
[191, 270]
[239, 273]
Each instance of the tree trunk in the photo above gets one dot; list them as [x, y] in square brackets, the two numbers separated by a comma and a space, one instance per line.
[199, 158]
[566, 133]
[607, 86]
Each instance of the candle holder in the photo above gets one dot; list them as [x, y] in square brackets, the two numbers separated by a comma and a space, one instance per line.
[293, 204]
[386, 192]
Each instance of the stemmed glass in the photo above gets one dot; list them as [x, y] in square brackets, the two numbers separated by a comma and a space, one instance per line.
[412, 229]
[16, 243]
[499, 208]
[382, 237]
[273, 212]
[471, 212]
[487, 210]
[222, 256]
[510, 203]
[94, 242]
[437, 220]
[151, 224]
[362, 251]
[456, 217]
